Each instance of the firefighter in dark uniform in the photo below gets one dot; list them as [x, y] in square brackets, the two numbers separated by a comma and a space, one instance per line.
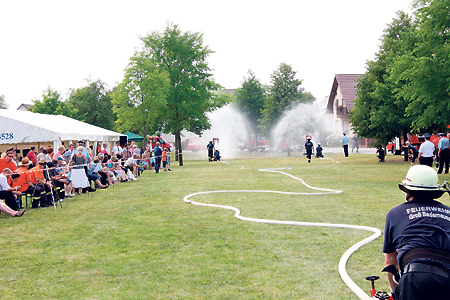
[309, 148]
[416, 239]
[210, 148]
[319, 150]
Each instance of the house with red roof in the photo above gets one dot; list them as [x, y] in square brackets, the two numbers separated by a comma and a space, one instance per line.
[341, 100]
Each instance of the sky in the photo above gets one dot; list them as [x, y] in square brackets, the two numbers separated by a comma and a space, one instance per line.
[60, 44]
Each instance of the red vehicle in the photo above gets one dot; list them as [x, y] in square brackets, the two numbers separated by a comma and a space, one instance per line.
[164, 144]
[196, 144]
[395, 146]
[256, 143]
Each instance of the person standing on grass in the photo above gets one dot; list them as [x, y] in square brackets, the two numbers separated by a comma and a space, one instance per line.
[309, 148]
[345, 144]
[210, 148]
[158, 156]
[416, 239]
[443, 153]
[355, 144]
[426, 151]
[435, 142]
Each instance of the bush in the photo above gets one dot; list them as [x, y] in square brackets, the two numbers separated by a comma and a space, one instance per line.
[334, 140]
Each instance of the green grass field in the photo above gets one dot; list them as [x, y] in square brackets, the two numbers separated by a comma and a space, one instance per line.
[139, 240]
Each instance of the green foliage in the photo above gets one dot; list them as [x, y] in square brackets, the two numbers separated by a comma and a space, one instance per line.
[250, 100]
[284, 93]
[140, 99]
[192, 93]
[425, 70]
[3, 103]
[52, 104]
[407, 87]
[93, 104]
[378, 111]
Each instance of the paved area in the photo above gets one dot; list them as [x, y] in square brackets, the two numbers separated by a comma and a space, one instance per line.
[341, 150]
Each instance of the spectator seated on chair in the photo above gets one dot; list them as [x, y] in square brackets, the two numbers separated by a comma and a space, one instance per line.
[7, 210]
[64, 176]
[8, 161]
[9, 194]
[93, 174]
[131, 164]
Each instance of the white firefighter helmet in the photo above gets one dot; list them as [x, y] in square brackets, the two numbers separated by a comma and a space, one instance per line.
[420, 178]
[422, 182]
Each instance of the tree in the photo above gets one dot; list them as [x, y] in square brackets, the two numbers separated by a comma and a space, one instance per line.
[425, 69]
[192, 92]
[140, 98]
[94, 105]
[3, 103]
[284, 93]
[250, 100]
[379, 112]
[52, 104]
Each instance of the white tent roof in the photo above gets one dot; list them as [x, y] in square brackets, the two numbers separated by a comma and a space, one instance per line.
[26, 127]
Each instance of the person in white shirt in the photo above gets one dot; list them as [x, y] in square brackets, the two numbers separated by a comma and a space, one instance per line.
[132, 165]
[117, 149]
[426, 151]
[6, 192]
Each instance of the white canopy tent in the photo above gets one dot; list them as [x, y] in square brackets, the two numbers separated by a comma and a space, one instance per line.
[21, 127]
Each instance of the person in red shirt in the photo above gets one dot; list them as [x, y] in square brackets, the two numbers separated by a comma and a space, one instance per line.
[8, 162]
[32, 155]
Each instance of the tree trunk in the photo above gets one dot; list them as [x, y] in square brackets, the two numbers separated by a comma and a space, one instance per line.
[179, 148]
[144, 133]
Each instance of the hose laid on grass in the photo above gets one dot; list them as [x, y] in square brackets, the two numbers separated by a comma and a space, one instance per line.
[342, 262]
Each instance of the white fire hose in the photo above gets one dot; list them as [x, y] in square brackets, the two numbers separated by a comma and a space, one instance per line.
[343, 261]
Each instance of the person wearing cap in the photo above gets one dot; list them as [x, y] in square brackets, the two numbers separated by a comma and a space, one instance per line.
[210, 148]
[38, 185]
[9, 194]
[319, 151]
[345, 144]
[426, 151]
[309, 146]
[443, 153]
[416, 239]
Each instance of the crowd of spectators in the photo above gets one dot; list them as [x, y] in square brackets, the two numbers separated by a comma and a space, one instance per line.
[49, 176]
